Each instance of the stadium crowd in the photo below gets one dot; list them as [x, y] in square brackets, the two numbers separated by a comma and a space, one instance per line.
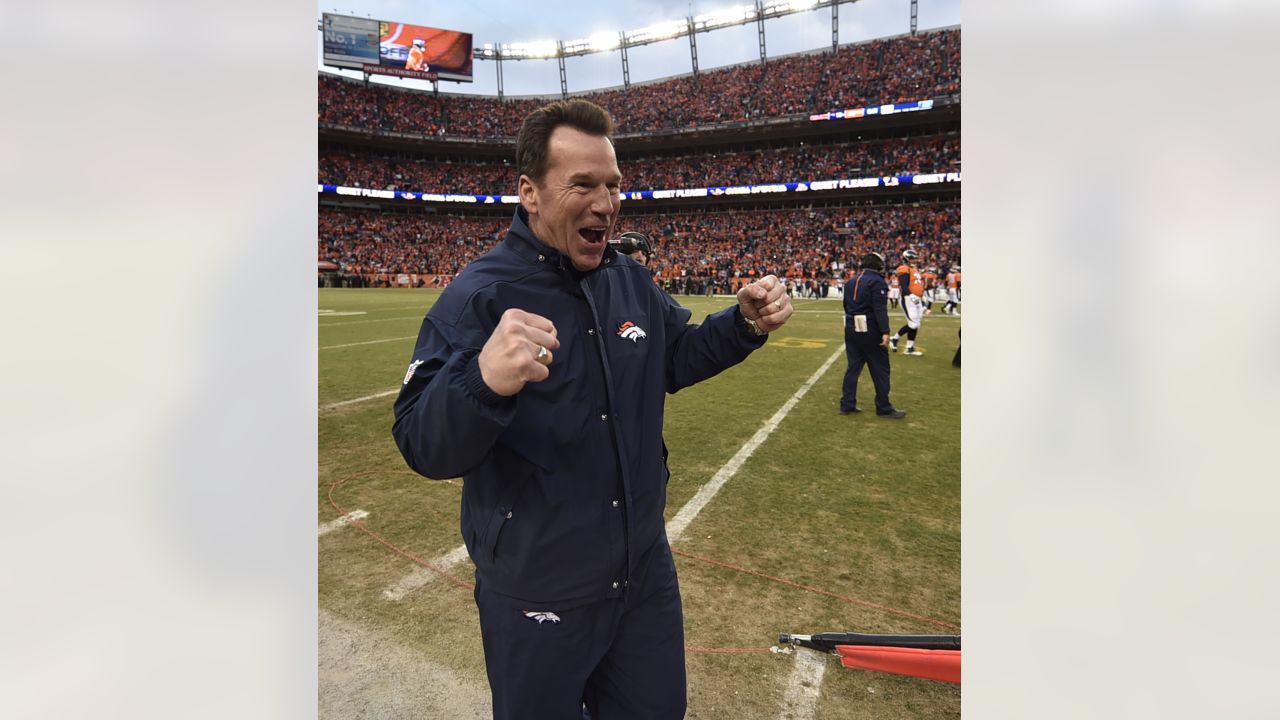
[882, 71]
[367, 243]
[717, 246]
[796, 243]
[939, 153]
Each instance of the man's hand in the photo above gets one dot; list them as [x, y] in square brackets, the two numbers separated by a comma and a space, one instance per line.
[510, 357]
[884, 340]
[766, 302]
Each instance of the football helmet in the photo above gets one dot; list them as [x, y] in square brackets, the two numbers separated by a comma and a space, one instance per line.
[909, 255]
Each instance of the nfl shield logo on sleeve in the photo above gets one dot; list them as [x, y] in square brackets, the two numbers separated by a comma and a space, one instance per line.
[408, 375]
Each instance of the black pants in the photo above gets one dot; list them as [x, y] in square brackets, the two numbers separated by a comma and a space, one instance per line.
[623, 657]
[864, 349]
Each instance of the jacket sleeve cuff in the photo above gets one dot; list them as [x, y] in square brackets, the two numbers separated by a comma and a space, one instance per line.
[744, 331]
[477, 388]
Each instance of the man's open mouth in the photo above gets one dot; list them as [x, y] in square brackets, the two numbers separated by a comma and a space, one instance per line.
[592, 235]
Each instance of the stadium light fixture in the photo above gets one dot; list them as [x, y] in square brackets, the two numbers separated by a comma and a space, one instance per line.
[725, 17]
[665, 30]
[785, 6]
[660, 31]
[604, 42]
[538, 49]
[599, 42]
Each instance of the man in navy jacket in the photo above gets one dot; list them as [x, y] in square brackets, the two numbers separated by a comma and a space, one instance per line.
[866, 336]
[540, 376]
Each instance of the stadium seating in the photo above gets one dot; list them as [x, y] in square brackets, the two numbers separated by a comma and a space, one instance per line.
[797, 243]
[940, 153]
[899, 69]
[700, 241]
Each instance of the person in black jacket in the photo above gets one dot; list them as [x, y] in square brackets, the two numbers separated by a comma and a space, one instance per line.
[866, 336]
[540, 376]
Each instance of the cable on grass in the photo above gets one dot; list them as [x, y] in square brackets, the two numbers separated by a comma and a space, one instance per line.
[819, 591]
[688, 648]
[394, 548]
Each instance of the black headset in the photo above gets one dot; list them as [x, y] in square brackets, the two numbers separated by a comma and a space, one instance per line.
[629, 243]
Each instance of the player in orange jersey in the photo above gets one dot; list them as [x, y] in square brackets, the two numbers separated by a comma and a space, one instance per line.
[417, 56]
[894, 291]
[912, 301]
[929, 278]
[953, 292]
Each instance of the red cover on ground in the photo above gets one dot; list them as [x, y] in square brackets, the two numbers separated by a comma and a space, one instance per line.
[930, 664]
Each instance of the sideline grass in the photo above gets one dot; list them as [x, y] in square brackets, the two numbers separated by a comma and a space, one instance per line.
[866, 508]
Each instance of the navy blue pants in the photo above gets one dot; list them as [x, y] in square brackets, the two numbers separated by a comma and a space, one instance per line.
[864, 349]
[622, 657]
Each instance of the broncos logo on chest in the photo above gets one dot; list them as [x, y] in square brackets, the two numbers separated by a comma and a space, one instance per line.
[631, 331]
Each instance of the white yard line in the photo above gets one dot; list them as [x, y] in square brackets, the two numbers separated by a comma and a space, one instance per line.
[422, 576]
[936, 316]
[342, 521]
[362, 322]
[676, 526]
[368, 342]
[353, 401]
[801, 700]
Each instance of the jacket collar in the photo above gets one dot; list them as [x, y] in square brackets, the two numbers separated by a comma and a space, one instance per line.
[527, 245]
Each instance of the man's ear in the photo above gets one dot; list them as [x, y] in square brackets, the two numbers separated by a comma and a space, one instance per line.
[528, 194]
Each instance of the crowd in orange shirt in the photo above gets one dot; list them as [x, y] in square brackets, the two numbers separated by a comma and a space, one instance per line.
[385, 173]
[873, 73]
[904, 156]
[798, 243]
[370, 242]
[890, 71]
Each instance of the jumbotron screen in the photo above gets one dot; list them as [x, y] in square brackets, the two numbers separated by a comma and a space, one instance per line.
[391, 48]
[350, 42]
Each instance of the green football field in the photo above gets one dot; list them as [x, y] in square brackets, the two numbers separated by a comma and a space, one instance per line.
[833, 523]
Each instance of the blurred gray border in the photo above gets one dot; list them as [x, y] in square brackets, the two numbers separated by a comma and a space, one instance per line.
[158, 217]
[1120, 390]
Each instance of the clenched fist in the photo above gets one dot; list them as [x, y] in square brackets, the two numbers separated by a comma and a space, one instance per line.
[518, 352]
[766, 302]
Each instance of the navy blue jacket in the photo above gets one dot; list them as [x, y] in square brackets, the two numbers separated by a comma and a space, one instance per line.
[868, 294]
[565, 482]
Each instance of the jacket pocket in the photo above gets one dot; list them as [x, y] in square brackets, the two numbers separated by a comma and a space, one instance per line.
[493, 526]
[493, 530]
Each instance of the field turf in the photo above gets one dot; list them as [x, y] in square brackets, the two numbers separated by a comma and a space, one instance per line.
[865, 510]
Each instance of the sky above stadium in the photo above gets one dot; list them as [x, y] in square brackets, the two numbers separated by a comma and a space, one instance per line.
[516, 22]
